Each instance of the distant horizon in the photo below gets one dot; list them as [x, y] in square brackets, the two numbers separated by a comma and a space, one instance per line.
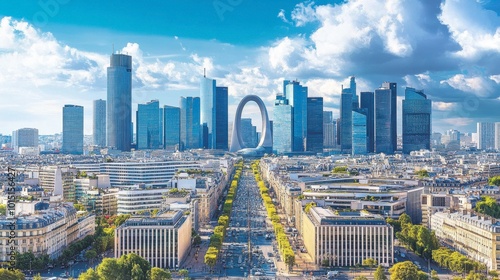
[55, 56]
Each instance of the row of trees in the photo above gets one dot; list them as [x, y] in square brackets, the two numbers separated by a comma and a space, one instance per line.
[220, 230]
[455, 261]
[418, 238]
[130, 266]
[283, 243]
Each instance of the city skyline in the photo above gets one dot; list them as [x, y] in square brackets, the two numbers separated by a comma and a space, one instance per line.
[448, 49]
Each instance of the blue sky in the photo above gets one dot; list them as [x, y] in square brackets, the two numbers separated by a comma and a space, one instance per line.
[57, 54]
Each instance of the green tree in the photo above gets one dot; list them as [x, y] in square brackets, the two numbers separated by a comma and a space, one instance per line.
[160, 274]
[476, 276]
[404, 220]
[309, 205]
[128, 261]
[90, 255]
[90, 274]
[79, 207]
[404, 271]
[11, 275]
[37, 277]
[369, 262]
[184, 273]
[361, 278]
[3, 210]
[380, 273]
[137, 273]
[494, 181]
[110, 269]
[422, 173]
[493, 273]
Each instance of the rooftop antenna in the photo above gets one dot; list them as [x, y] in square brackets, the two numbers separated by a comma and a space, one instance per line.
[204, 72]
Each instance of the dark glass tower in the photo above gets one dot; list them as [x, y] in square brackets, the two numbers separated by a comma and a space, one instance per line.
[394, 118]
[72, 130]
[119, 107]
[368, 103]
[172, 122]
[416, 121]
[148, 125]
[99, 123]
[221, 118]
[315, 124]
[297, 98]
[383, 143]
[359, 139]
[190, 123]
[329, 130]
[345, 126]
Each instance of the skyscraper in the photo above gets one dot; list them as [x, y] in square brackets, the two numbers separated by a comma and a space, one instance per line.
[297, 98]
[282, 126]
[329, 130]
[345, 126]
[359, 137]
[416, 121]
[172, 123]
[315, 124]
[383, 142]
[162, 127]
[368, 103]
[213, 114]
[248, 133]
[190, 123]
[497, 136]
[99, 123]
[148, 125]
[221, 118]
[485, 135]
[119, 107]
[24, 137]
[72, 142]
[394, 119]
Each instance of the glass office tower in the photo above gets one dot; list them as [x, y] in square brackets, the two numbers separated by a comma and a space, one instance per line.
[99, 123]
[282, 126]
[190, 123]
[368, 103]
[416, 121]
[172, 123]
[394, 119]
[345, 125]
[297, 98]
[383, 140]
[119, 102]
[148, 125]
[221, 118]
[72, 142]
[359, 137]
[315, 124]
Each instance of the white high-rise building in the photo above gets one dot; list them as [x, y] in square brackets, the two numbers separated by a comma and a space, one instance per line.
[497, 136]
[485, 135]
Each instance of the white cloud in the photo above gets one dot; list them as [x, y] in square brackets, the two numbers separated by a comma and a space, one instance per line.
[495, 78]
[303, 13]
[443, 106]
[282, 16]
[480, 86]
[476, 30]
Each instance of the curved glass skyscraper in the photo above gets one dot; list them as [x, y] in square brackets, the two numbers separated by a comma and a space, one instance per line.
[416, 121]
[119, 113]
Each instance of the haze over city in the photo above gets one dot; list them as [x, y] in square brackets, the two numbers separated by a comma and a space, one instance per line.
[57, 54]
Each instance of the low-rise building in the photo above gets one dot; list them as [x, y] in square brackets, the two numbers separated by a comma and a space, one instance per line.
[346, 238]
[163, 240]
[474, 235]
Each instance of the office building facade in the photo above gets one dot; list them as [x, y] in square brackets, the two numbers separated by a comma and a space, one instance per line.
[359, 135]
[368, 103]
[148, 125]
[314, 124]
[190, 123]
[485, 135]
[72, 142]
[497, 136]
[24, 137]
[221, 118]
[346, 239]
[394, 102]
[297, 99]
[345, 125]
[213, 114]
[164, 241]
[172, 124]
[282, 126]
[382, 119]
[329, 130]
[99, 123]
[417, 127]
[119, 102]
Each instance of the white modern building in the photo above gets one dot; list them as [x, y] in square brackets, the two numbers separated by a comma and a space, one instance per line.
[346, 238]
[163, 240]
[134, 199]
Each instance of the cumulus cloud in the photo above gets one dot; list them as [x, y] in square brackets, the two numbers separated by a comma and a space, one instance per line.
[282, 16]
[304, 13]
[476, 30]
[478, 85]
